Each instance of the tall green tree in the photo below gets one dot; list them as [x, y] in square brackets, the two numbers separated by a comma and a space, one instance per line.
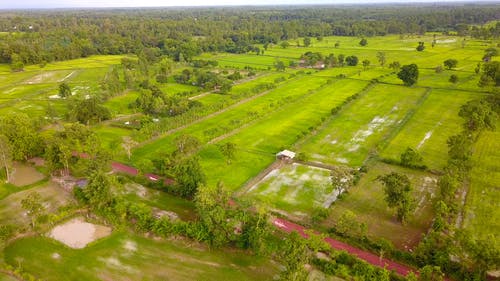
[5, 156]
[33, 206]
[381, 58]
[450, 63]
[279, 65]
[366, 64]
[212, 205]
[411, 158]
[22, 135]
[189, 176]
[228, 149]
[294, 255]
[307, 41]
[64, 90]
[408, 74]
[397, 189]
[98, 192]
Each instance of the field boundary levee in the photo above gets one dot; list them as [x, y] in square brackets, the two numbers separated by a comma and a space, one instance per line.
[255, 180]
[315, 164]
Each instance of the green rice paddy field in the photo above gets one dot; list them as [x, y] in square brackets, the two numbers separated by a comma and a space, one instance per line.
[384, 119]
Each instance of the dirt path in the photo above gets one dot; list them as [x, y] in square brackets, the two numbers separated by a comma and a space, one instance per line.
[253, 181]
[373, 259]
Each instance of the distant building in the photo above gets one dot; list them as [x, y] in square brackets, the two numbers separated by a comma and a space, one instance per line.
[286, 155]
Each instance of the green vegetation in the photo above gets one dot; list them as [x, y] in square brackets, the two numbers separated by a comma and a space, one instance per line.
[393, 129]
[138, 256]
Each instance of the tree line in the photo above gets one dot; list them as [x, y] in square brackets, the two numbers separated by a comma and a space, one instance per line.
[39, 37]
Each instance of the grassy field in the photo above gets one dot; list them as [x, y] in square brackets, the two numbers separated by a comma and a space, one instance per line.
[358, 129]
[482, 214]
[366, 200]
[430, 127]
[124, 256]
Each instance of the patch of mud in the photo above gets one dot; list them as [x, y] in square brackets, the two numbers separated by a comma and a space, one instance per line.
[22, 175]
[138, 189]
[40, 78]
[360, 136]
[427, 190]
[116, 263]
[159, 213]
[426, 137]
[294, 180]
[342, 160]
[318, 156]
[446, 41]
[130, 246]
[77, 233]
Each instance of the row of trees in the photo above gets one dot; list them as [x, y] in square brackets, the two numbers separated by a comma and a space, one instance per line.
[475, 254]
[45, 36]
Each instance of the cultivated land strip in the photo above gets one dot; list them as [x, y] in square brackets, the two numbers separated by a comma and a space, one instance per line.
[209, 116]
[278, 97]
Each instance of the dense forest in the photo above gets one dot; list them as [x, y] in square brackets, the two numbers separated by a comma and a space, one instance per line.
[38, 37]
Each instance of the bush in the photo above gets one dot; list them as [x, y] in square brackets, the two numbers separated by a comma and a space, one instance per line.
[453, 78]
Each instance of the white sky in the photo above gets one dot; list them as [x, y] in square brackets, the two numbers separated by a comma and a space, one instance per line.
[26, 4]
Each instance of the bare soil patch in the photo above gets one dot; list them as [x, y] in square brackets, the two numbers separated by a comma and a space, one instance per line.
[77, 233]
[24, 175]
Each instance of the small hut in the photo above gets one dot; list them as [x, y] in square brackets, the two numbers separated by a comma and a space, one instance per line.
[285, 155]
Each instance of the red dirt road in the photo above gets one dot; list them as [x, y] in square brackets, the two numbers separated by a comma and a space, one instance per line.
[337, 245]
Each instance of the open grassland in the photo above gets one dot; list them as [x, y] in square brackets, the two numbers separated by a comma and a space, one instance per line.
[430, 127]
[482, 212]
[366, 200]
[124, 256]
[358, 129]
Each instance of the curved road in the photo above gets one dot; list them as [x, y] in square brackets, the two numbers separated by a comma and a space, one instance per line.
[288, 226]
[400, 269]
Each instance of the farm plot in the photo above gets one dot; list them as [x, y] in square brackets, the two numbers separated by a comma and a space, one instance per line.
[366, 201]
[52, 197]
[121, 104]
[54, 76]
[295, 188]
[244, 60]
[358, 129]
[123, 256]
[482, 213]
[234, 117]
[281, 128]
[82, 63]
[160, 200]
[429, 128]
